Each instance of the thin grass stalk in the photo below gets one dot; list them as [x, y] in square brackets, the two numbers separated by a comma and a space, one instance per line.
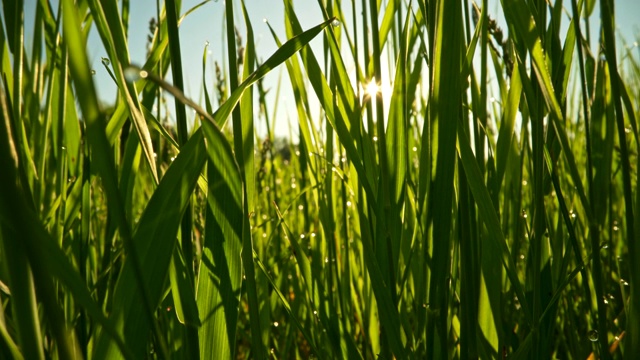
[539, 213]
[89, 104]
[607, 13]
[258, 347]
[186, 235]
[445, 102]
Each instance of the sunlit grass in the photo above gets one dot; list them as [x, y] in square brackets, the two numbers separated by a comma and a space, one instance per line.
[448, 188]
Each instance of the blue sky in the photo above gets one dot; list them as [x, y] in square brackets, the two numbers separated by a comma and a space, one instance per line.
[205, 25]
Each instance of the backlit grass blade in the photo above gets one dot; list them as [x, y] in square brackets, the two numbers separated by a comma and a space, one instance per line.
[186, 235]
[39, 249]
[111, 30]
[489, 216]
[507, 126]
[322, 90]
[606, 9]
[445, 110]
[102, 155]
[220, 275]
[155, 238]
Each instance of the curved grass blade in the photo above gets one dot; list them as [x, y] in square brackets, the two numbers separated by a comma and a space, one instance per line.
[155, 240]
[101, 152]
[109, 24]
[490, 218]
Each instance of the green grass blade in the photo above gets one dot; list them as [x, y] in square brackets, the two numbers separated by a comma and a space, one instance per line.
[445, 110]
[154, 239]
[490, 218]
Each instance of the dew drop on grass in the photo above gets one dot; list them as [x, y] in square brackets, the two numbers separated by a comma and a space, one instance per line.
[72, 179]
[335, 23]
[93, 72]
[106, 61]
[132, 74]
[593, 335]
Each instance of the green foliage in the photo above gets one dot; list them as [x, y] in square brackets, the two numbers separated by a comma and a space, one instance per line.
[480, 203]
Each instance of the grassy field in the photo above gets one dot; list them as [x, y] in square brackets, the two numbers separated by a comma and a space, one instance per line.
[485, 207]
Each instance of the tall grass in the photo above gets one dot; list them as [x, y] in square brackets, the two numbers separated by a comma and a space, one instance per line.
[484, 206]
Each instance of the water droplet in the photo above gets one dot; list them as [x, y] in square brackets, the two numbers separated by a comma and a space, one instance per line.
[93, 72]
[593, 335]
[264, 20]
[132, 74]
[72, 179]
[624, 282]
[301, 236]
[326, 260]
[106, 61]
[335, 23]
[375, 138]
[206, 43]
[168, 308]
[63, 148]
[275, 324]
[348, 203]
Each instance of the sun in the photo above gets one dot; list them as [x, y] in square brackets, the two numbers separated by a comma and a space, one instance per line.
[372, 89]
